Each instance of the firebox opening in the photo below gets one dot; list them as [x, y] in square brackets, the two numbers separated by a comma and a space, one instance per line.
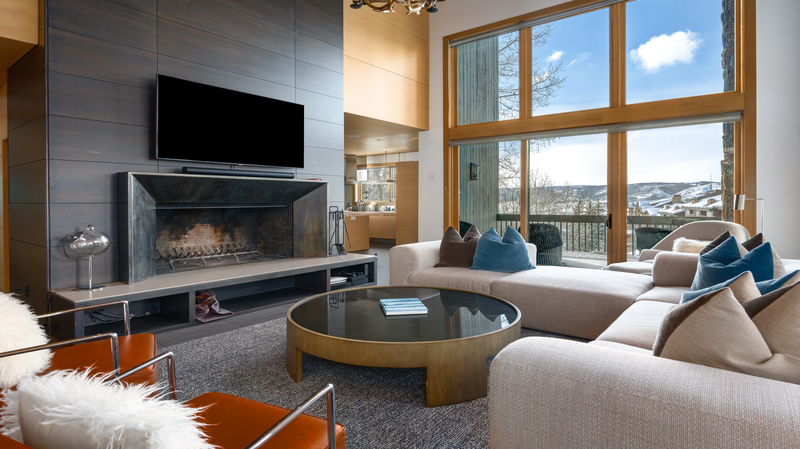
[196, 238]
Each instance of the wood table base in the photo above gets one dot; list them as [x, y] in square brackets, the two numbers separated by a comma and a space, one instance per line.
[456, 370]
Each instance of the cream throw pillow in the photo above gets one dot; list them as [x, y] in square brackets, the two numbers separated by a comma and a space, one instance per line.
[19, 329]
[74, 410]
[684, 245]
[758, 337]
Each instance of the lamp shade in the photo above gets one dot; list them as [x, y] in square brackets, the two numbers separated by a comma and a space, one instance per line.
[90, 242]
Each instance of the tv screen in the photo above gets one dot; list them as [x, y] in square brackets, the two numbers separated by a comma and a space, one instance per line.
[197, 122]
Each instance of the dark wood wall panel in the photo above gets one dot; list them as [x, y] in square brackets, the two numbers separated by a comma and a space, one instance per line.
[191, 44]
[104, 20]
[88, 182]
[276, 11]
[26, 104]
[324, 135]
[78, 97]
[198, 73]
[68, 219]
[317, 79]
[90, 140]
[312, 22]
[103, 58]
[37, 296]
[148, 6]
[32, 262]
[27, 143]
[229, 23]
[75, 54]
[316, 52]
[26, 69]
[28, 223]
[27, 183]
[321, 107]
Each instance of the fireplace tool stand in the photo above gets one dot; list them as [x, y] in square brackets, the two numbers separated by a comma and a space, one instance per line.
[334, 217]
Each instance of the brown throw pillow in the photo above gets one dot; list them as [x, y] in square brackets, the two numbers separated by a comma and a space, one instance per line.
[716, 242]
[759, 337]
[455, 251]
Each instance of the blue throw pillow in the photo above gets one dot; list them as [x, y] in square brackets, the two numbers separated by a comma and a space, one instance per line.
[773, 284]
[694, 294]
[506, 255]
[724, 262]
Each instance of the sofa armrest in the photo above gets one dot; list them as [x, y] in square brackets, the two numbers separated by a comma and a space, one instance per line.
[671, 269]
[532, 252]
[405, 260]
[554, 393]
[649, 254]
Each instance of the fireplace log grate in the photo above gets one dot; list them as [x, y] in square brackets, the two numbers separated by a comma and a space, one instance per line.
[202, 253]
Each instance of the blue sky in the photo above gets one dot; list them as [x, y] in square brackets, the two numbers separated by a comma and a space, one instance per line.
[673, 51]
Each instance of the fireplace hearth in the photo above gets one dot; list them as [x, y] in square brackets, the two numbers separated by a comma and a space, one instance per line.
[176, 222]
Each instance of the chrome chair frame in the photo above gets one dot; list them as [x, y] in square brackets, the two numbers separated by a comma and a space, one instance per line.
[112, 335]
[327, 392]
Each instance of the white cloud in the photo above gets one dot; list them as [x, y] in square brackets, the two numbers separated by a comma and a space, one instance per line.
[555, 56]
[663, 51]
[582, 56]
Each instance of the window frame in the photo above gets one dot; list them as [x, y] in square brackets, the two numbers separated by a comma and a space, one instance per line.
[742, 99]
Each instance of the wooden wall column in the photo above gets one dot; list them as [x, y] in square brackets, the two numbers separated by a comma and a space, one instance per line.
[617, 143]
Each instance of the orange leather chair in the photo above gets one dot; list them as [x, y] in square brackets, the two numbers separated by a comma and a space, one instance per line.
[105, 353]
[238, 423]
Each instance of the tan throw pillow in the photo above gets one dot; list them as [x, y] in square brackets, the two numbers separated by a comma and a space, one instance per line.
[455, 251]
[684, 245]
[759, 337]
[758, 240]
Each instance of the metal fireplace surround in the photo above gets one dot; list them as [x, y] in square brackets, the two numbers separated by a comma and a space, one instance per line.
[290, 214]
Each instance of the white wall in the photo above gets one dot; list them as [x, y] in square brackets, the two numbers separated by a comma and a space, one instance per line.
[778, 38]
[778, 87]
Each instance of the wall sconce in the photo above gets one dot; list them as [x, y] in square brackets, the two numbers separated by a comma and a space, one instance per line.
[474, 173]
[738, 204]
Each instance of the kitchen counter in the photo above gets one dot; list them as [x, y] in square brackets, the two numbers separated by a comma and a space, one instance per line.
[371, 212]
[380, 225]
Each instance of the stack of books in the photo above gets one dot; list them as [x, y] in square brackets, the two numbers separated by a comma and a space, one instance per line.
[403, 306]
[339, 281]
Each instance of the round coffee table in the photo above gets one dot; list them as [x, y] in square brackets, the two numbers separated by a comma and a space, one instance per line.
[452, 341]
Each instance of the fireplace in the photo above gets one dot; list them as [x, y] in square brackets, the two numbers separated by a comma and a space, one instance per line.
[173, 222]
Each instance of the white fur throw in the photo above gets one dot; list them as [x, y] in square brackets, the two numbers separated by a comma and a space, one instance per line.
[75, 410]
[684, 245]
[19, 329]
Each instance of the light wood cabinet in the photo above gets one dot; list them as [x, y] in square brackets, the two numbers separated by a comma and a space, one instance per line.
[382, 226]
[357, 236]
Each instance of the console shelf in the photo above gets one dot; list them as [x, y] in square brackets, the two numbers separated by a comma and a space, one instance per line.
[166, 301]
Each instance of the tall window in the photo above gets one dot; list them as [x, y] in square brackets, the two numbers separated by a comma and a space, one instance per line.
[613, 110]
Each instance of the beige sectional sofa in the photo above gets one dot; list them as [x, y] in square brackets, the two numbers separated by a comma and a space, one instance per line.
[611, 392]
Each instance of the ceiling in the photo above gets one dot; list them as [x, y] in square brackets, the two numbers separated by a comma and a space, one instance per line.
[377, 137]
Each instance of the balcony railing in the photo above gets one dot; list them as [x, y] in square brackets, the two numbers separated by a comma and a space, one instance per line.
[587, 233]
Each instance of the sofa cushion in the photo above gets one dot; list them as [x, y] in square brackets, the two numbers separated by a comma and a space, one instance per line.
[573, 301]
[622, 347]
[724, 262]
[457, 278]
[455, 251]
[632, 267]
[671, 295]
[508, 254]
[759, 337]
[638, 325]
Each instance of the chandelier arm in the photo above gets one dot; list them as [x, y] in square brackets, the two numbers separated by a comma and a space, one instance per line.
[384, 8]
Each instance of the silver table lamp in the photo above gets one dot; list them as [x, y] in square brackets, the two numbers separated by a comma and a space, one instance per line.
[86, 245]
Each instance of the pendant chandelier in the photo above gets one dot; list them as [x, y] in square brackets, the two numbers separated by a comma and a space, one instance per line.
[385, 6]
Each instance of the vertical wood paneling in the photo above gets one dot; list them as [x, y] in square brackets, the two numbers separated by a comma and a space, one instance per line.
[407, 204]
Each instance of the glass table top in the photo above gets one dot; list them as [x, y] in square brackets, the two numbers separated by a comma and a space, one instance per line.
[357, 315]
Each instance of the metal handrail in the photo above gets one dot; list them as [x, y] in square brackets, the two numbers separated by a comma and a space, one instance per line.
[125, 312]
[171, 368]
[331, 418]
[61, 344]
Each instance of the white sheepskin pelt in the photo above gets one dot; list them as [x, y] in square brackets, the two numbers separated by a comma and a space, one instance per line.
[75, 410]
[9, 416]
[19, 329]
[684, 245]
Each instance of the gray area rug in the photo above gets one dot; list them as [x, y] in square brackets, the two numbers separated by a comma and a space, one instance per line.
[379, 407]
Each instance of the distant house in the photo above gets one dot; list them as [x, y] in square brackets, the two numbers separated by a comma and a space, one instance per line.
[706, 205]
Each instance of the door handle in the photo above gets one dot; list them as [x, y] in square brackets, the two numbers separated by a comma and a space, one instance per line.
[608, 222]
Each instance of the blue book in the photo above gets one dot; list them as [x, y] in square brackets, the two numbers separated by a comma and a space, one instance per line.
[403, 306]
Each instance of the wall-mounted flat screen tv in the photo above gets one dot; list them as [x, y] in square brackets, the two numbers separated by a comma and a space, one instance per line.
[197, 122]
